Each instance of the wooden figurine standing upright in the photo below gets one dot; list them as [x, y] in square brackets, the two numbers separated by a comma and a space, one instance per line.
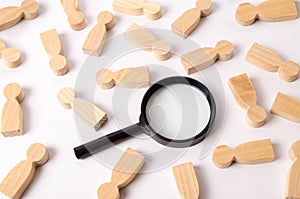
[190, 19]
[12, 114]
[20, 177]
[94, 42]
[293, 178]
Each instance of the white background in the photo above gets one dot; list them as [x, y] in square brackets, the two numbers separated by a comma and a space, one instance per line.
[47, 122]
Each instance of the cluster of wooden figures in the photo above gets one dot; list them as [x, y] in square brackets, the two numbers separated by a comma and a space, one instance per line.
[130, 163]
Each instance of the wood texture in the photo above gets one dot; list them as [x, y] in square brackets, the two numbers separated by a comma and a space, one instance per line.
[292, 190]
[96, 38]
[11, 15]
[190, 19]
[52, 45]
[12, 123]
[137, 77]
[11, 56]
[254, 152]
[286, 107]
[88, 112]
[20, 177]
[270, 10]
[202, 58]
[151, 10]
[124, 172]
[245, 95]
[186, 181]
[145, 40]
[75, 17]
[268, 60]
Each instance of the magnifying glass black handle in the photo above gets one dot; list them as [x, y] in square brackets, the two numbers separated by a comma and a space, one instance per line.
[104, 142]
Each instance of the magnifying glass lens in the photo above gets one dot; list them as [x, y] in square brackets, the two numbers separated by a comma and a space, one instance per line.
[178, 111]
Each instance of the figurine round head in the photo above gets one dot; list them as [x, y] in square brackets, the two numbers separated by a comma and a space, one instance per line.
[223, 156]
[106, 18]
[65, 96]
[38, 154]
[14, 90]
[30, 9]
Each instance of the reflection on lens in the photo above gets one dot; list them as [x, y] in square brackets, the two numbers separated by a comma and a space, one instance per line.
[178, 111]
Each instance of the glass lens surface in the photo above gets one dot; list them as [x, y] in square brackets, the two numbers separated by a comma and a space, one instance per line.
[178, 111]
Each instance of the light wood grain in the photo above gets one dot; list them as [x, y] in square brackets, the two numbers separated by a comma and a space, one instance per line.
[52, 45]
[270, 10]
[292, 190]
[152, 10]
[268, 60]
[96, 38]
[286, 107]
[11, 15]
[20, 177]
[245, 95]
[87, 111]
[12, 123]
[145, 40]
[75, 17]
[186, 181]
[11, 56]
[254, 152]
[124, 172]
[137, 77]
[190, 19]
[202, 58]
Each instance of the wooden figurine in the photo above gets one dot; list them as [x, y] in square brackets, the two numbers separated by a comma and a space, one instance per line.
[142, 38]
[20, 177]
[11, 15]
[245, 95]
[75, 17]
[91, 114]
[128, 77]
[96, 38]
[151, 10]
[292, 190]
[124, 172]
[202, 58]
[12, 123]
[255, 152]
[186, 181]
[268, 60]
[52, 45]
[269, 10]
[286, 107]
[190, 19]
[11, 56]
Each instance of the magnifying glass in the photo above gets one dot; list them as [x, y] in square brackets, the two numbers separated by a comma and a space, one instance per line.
[176, 112]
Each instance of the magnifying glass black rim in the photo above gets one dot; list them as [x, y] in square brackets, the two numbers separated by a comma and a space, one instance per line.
[173, 142]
